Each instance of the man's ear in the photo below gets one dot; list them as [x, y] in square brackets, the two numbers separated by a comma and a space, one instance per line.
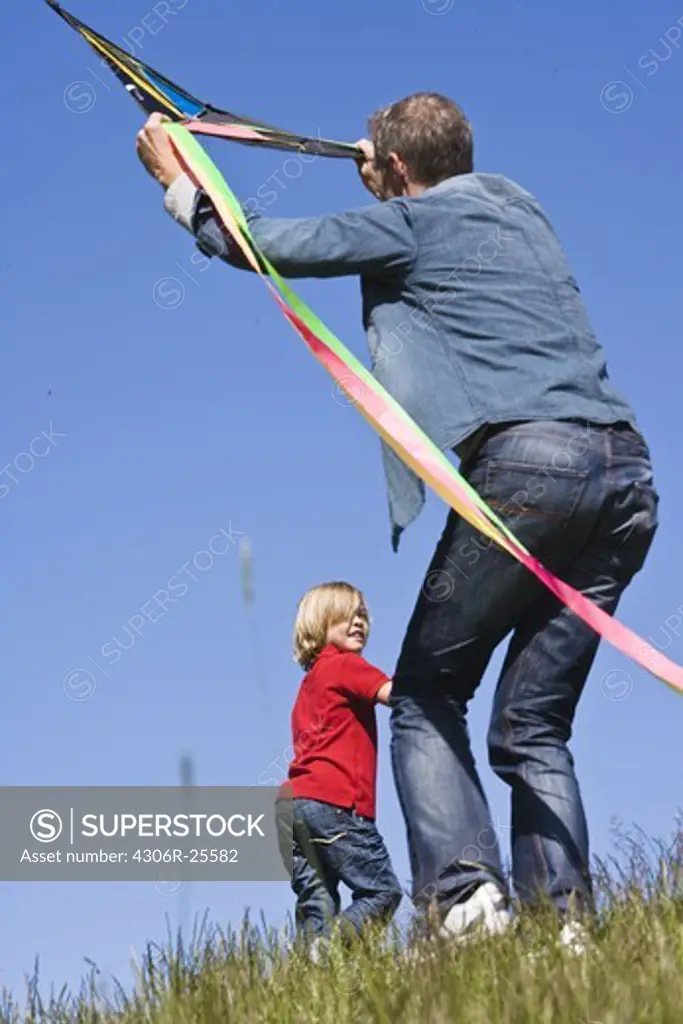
[397, 174]
[394, 163]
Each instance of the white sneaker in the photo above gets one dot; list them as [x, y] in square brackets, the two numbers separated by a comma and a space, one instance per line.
[484, 913]
[574, 937]
[317, 950]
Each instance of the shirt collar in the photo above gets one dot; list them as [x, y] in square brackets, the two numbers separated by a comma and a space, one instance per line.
[442, 186]
[329, 650]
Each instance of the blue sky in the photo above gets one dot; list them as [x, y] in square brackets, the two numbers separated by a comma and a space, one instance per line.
[179, 402]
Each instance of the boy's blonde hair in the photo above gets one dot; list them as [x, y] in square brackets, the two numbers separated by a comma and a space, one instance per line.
[321, 607]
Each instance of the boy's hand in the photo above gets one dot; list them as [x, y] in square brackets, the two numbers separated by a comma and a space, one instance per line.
[156, 151]
[367, 170]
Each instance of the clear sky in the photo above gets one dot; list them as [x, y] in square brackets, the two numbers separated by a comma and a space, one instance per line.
[180, 408]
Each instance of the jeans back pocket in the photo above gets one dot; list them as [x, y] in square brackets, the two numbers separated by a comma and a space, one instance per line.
[519, 491]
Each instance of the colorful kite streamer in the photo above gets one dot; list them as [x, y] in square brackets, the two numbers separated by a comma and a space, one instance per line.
[396, 427]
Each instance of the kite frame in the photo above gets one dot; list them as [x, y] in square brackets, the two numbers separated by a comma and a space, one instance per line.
[146, 86]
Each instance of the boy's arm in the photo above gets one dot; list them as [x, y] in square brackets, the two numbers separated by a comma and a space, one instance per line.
[363, 681]
[384, 693]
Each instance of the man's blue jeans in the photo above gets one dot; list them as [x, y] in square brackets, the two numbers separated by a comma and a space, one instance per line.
[581, 499]
[333, 845]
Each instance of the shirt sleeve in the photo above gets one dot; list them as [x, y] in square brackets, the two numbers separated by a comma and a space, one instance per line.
[192, 208]
[372, 240]
[375, 240]
[360, 679]
[179, 200]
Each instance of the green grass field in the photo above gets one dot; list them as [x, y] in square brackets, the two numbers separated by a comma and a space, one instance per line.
[632, 973]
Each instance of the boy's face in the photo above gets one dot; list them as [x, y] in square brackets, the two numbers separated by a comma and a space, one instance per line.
[351, 634]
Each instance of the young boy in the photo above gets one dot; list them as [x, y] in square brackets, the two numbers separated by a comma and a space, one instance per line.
[332, 777]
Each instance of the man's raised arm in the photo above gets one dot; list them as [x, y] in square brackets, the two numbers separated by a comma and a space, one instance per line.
[371, 240]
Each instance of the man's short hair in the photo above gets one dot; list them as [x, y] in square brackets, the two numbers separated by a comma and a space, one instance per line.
[429, 132]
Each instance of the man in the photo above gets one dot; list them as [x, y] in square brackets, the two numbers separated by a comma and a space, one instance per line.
[476, 327]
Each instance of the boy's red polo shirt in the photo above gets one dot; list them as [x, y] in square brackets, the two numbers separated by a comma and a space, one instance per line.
[335, 733]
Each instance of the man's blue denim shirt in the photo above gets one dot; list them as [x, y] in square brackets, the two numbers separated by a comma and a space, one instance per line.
[471, 311]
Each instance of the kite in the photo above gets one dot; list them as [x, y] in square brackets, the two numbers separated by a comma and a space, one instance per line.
[379, 408]
[157, 94]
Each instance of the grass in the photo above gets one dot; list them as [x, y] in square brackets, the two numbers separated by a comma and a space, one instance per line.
[631, 974]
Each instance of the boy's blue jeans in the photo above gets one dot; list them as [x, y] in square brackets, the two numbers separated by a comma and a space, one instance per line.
[332, 845]
[581, 499]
